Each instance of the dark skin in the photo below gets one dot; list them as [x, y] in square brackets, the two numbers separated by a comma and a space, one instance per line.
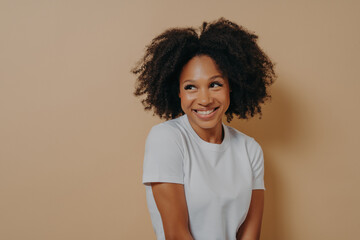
[202, 89]
[251, 227]
[248, 69]
[171, 202]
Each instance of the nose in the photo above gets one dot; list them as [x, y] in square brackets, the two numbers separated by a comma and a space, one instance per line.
[205, 98]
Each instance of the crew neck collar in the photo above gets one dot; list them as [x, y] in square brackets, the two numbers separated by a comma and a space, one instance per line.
[211, 146]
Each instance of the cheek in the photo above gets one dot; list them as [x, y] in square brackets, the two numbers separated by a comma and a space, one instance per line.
[225, 99]
[186, 99]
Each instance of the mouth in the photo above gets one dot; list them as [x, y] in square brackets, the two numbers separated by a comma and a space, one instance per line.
[205, 113]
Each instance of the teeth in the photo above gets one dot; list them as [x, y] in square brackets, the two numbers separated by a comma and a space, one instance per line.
[205, 112]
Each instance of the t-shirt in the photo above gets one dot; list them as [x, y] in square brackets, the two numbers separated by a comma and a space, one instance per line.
[218, 179]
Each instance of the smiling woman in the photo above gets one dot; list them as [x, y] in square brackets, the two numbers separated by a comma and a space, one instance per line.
[204, 94]
[204, 179]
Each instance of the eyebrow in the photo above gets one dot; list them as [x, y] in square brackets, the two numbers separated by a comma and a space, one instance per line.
[211, 78]
[216, 76]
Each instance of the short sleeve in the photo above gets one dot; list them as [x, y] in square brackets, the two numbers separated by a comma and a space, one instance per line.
[163, 160]
[257, 164]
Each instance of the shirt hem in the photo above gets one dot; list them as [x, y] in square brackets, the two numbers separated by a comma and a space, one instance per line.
[170, 179]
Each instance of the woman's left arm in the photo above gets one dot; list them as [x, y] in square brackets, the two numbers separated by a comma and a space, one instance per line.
[251, 227]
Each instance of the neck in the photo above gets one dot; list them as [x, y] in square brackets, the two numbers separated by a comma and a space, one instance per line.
[211, 135]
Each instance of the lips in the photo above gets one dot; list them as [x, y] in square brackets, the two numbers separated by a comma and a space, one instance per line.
[206, 113]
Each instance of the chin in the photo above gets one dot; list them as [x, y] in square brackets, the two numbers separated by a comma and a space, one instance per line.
[207, 124]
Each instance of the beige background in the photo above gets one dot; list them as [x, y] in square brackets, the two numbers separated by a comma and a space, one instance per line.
[72, 134]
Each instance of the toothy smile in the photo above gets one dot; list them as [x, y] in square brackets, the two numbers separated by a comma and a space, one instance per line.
[205, 112]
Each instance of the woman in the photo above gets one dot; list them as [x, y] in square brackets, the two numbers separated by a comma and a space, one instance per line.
[203, 179]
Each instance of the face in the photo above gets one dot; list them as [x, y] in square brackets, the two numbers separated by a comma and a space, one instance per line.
[204, 93]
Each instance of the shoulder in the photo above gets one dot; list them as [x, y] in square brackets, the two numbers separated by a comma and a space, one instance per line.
[165, 134]
[240, 138]
[164, 139]
[168, 129]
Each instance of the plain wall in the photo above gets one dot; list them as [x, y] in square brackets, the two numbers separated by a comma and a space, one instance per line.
[72, 134]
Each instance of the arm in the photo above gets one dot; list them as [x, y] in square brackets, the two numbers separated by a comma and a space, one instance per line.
[171, 202]
[251, 227]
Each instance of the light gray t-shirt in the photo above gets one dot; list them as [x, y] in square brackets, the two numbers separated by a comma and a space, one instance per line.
[218, 178]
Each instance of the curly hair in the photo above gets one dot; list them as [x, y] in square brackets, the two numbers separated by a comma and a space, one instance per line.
[234, 50]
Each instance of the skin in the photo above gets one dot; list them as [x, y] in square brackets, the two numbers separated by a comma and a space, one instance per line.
[251, 227]
[202, 88]
[171, 203]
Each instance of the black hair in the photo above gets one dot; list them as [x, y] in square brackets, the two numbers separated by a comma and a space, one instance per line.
[233, 48]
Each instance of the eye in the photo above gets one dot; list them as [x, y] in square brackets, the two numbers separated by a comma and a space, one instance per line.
[215, 85]
[189, 87]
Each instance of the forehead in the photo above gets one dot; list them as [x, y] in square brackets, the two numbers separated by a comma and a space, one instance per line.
[199, 67]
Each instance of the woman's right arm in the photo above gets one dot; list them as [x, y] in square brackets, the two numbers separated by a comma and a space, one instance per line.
[171, 203]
